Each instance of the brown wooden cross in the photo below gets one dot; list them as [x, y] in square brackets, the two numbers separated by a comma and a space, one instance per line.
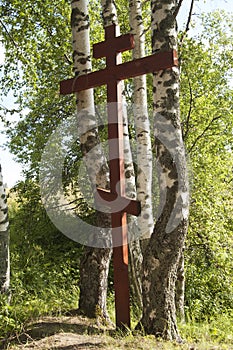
[111, 76]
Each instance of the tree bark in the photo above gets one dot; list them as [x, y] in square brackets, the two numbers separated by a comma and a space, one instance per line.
[180, 288]
[95, 261]
[94, 282]
[142, 126]
[4, 240]
[145, 221]
[163, 253]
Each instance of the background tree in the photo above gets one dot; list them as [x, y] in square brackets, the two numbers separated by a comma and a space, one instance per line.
[206, 99]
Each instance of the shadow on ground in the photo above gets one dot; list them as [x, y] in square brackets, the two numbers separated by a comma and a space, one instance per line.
[65, 333]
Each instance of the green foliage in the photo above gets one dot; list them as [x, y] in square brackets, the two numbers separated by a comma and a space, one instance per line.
[206, 110]
[214, 331]
[44, 264]
[33, 36]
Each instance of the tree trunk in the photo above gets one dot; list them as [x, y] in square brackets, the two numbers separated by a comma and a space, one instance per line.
[144, 153]
[180, 288]
[142, 126]
[95, 261]
[4, 241]
[94, 282]
[163, 253]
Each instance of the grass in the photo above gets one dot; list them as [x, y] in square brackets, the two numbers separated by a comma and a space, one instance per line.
[66, 332]
[215, 333]
[210, 334]
[17, 318]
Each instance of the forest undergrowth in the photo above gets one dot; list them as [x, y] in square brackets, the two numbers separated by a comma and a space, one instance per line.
[48, 321]
[44, 284]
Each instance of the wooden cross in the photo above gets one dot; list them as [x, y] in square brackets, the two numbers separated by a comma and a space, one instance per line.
[111, 76]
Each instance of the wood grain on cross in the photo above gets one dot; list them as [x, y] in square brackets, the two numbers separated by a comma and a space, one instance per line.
[120, 206]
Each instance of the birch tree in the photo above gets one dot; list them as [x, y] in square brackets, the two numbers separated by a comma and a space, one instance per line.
[109, 14]
[164, 250]
[4, 240]
[95, 261]
[143, 153]
[142, 125]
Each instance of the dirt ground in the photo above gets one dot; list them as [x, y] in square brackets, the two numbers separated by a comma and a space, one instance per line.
[71, 333]
[77, 332]
[64, 333]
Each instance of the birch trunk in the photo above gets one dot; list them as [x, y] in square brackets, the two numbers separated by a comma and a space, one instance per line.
[135, 256]
[144, 153]
[4, 241]
[180, 289]
[142, 126]
[95, 261]
[109, 14]
[167, 241]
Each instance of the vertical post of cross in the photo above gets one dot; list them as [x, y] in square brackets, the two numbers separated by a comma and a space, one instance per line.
[116, 165]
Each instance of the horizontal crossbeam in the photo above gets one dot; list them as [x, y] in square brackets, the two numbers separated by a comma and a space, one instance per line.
[121, 43]
[154, 63]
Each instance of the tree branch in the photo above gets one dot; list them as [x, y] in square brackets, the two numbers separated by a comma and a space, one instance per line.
[188, 22]
[19, 51]
[59, 44]
[9, 34]
[203, 133]
[178, 8]
[185, 134]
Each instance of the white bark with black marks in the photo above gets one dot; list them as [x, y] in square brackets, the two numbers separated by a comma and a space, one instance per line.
[109, 14]
[95, 262]
[95, 162]
[163, 253]
[4, 240]
[142, 126]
